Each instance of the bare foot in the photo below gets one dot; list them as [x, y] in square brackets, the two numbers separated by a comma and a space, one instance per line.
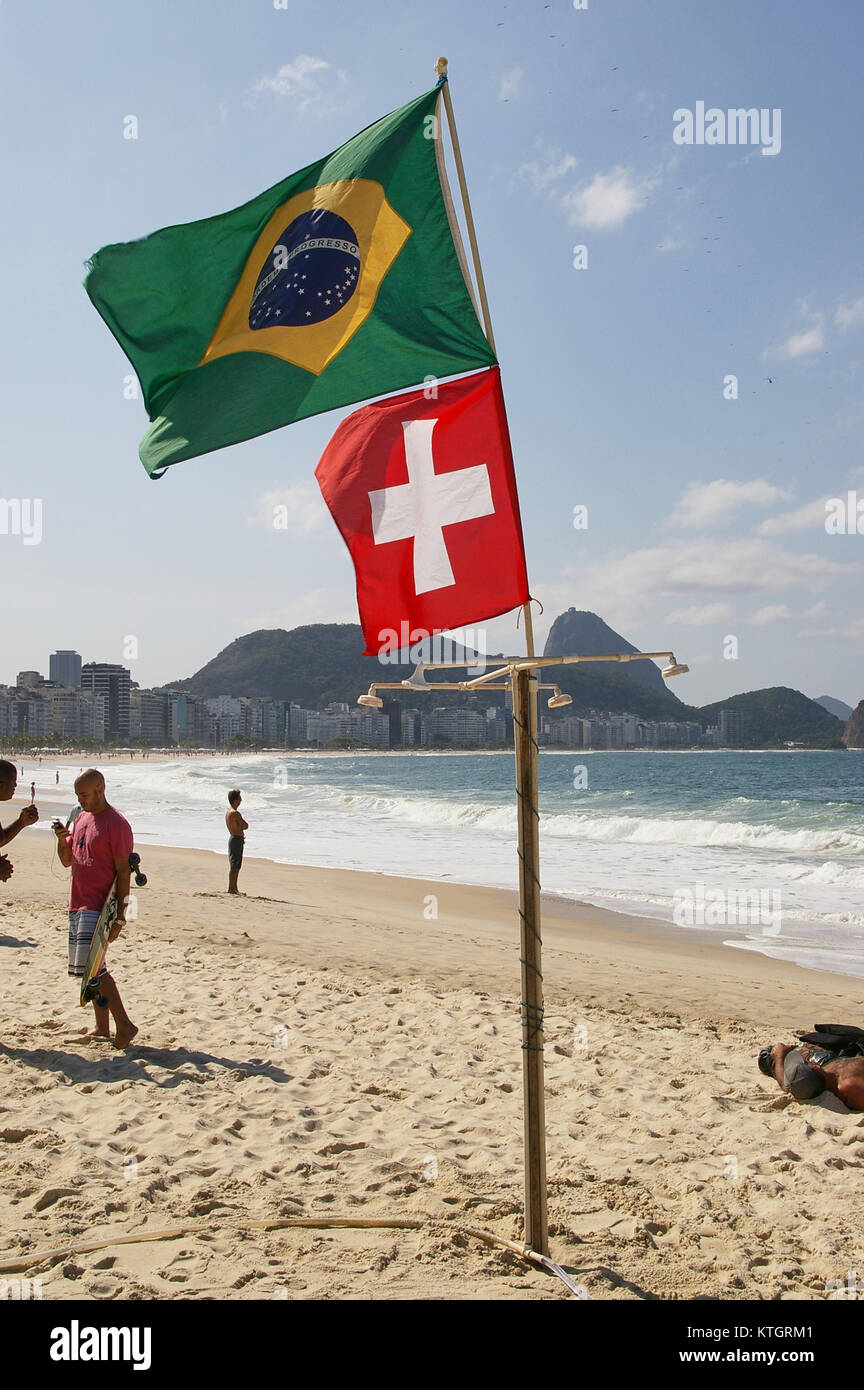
[124, 1036]
[97, 1036]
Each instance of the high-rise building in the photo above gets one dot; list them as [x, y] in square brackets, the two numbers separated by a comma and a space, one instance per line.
[114, 682]
[459, 727]
[297, 724]
[410, 732]
[179, 718]
[265, 720]
[78, 714]
[64, 668]
[731, 727]
[228, 714]
[150, 716]
[28, 680]
[392, 712]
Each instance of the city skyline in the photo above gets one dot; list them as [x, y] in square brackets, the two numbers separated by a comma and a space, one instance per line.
[107, 705]
[167, 683]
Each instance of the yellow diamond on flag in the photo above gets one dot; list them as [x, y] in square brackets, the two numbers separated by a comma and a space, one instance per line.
[313, 275]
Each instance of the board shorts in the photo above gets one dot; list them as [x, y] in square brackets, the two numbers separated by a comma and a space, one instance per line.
[801, 1080]
[82, 925]
[235, 851]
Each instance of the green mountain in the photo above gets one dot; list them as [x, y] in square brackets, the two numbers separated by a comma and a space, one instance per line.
[322, 662]
[853, 734]
[585, 633]
[838, 707]
[312, 666]
[777, 716]
[596, 686]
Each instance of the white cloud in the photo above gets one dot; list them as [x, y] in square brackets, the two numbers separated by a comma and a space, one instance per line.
[509, 84]
[312, 606]
[818, 610]
[801, 344]
[608, 200]
[710, 567]
[850, 315]
[771, 613]
[810, 517]
[670, 243]
[542, 173]
[301, 510]
[604, 201]
[853, 631]
[301, 82]
[701, 615]
[707, 504]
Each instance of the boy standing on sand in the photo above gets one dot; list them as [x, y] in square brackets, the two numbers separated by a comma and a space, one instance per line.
[236, 839]
[97, 846]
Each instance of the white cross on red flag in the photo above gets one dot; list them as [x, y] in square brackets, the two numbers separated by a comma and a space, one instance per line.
[422, 489]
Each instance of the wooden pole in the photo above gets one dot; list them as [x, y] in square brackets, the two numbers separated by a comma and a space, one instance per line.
[524, 689]
[524, 685]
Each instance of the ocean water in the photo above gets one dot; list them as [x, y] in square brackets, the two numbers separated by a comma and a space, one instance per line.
[637, 832]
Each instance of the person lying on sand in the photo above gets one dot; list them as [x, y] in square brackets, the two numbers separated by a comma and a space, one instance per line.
[805, 1072]
[96, 847]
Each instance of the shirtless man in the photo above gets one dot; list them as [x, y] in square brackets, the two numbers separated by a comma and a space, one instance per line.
[29, 815]
[96, 846]
[236, 826]
[806, 1071]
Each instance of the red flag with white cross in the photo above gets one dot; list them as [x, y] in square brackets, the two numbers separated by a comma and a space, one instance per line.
[422, 488]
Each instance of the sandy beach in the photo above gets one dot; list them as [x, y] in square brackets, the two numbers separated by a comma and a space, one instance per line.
[327, 1046]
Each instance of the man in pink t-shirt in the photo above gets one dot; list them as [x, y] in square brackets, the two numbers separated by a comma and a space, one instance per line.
[96, 847]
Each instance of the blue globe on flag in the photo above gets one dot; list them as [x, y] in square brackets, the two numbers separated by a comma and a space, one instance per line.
[309, 275]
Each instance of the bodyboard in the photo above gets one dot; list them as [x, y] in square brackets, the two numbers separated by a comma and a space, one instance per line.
[99, 945]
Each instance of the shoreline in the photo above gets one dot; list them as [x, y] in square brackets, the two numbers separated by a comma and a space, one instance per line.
[733, 937]
[84, 759]
[569, 924]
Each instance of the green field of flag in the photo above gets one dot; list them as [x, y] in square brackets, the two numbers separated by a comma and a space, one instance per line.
[340, 283]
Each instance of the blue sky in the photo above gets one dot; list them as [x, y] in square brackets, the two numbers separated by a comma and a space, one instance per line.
[705, 514]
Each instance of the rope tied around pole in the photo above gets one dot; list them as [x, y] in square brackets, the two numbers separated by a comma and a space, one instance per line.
[532, 1028]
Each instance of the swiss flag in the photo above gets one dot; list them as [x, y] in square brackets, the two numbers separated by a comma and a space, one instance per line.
[422, 489]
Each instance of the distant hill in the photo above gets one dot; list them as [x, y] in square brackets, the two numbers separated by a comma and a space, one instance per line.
[322, 663]
[313, 666]
[779, 715]
[853, 734]
[585, 633]
[839, 708]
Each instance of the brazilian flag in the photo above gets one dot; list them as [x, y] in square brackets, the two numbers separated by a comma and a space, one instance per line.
[340, 283]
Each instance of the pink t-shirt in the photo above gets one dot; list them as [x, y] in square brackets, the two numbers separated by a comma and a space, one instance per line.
[96, 841]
